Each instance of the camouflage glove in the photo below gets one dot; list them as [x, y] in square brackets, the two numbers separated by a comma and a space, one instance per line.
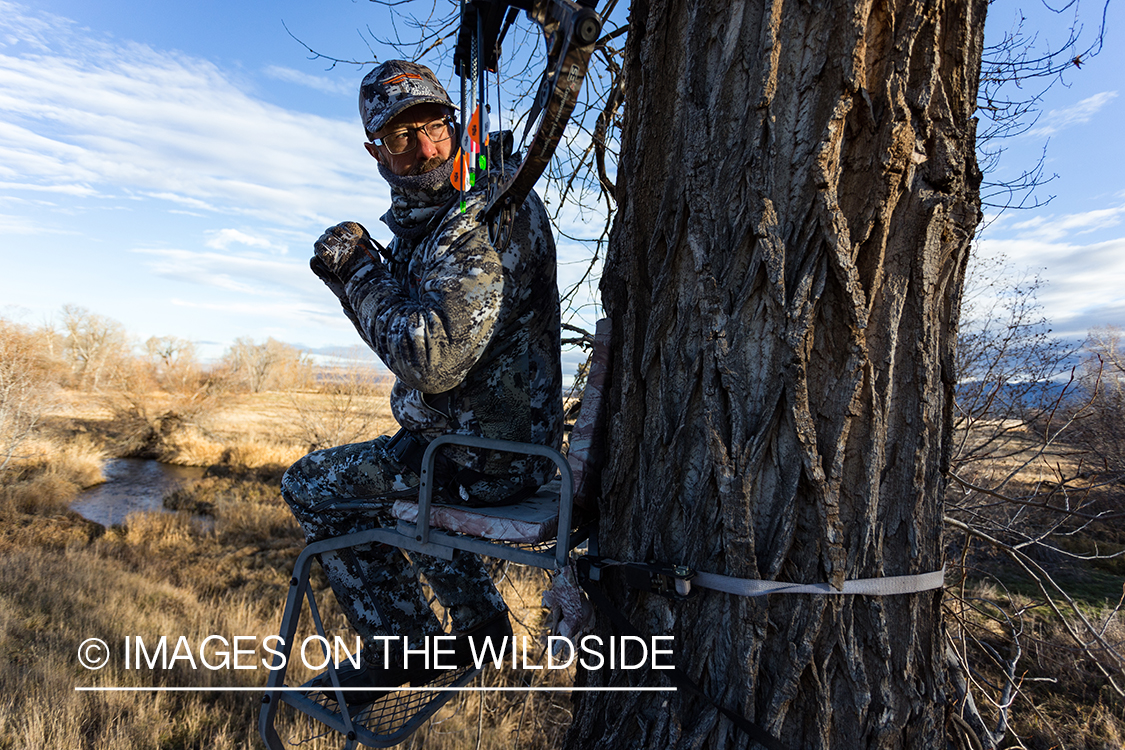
[342, 249]
[330, 279]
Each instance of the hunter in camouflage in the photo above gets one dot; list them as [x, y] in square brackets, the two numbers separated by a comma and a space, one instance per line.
[471, 334]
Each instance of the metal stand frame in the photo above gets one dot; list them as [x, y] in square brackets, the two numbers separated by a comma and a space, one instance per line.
[395, 716]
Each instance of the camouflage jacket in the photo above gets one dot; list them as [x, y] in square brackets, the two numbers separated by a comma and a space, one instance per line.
[470, 333]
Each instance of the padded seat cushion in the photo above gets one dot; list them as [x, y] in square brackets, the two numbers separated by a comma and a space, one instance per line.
[534, 520]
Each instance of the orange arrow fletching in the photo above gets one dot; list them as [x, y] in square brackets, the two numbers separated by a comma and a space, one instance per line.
[464, 176]
[462, 163]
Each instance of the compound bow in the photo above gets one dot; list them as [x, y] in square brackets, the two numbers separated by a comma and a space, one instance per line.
[570, 29]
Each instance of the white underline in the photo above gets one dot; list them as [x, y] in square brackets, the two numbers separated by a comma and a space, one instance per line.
[374, 689]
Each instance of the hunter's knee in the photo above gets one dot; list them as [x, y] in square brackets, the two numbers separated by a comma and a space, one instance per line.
[298, 480]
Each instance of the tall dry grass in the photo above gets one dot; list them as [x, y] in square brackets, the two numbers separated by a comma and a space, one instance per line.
[167, 419]
[350, 403]
[28, 379]
[50, 473]
[250, 429]
[222, 565]
[500, 720]
[52, 601]
[1056, 696]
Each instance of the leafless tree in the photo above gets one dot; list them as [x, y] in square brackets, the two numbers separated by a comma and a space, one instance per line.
[1009, 364]
[1101, 428]
[94, 345]
[792, 212]
[797, 195]
[1017, 71]
[1024, 510]
[172, 362]
[25, 388]
[271, 364]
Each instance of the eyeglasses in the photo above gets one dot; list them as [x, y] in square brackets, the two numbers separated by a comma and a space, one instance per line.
[406, 139]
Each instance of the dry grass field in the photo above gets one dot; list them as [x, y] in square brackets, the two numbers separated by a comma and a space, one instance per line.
[53, 599]
[64, 579]
[262, 428]
[222, 567]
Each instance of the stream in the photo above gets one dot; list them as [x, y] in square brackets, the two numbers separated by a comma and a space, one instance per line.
[132, 484]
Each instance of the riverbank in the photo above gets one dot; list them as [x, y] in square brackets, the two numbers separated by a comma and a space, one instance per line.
[249, 429]
[64, 580]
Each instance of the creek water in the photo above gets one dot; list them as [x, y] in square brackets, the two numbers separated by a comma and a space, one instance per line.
[132, 484]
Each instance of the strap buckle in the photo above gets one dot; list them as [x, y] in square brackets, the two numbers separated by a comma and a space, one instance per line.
[669, 581]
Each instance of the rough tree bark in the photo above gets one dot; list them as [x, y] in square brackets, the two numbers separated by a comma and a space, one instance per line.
[798, 191]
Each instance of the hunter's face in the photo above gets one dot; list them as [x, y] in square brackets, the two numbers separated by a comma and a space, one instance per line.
[412, 130]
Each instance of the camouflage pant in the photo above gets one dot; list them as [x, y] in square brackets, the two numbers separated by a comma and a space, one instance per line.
[351, 488]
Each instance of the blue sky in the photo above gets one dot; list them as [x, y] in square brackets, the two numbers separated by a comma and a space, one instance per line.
[169, 166]
[1076, 242]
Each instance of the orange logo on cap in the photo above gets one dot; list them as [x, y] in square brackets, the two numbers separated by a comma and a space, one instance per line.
[400, 78]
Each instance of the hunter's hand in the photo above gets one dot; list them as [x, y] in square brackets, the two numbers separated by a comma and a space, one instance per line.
[343, 248]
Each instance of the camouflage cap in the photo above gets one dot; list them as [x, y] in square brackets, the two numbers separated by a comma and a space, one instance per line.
[393, 87]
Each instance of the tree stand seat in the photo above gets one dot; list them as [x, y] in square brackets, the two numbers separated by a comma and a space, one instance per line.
[530, 522]
[539, 531]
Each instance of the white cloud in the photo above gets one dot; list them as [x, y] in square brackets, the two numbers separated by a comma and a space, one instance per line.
[1058, 119]
[17, 225]
[1050, 228]
[221, 239]
[183, 200]
[118, 118]
[319, 83]
[1083, 283]
[246, 274]
[327, 316]
[82, 190]
[35, 31]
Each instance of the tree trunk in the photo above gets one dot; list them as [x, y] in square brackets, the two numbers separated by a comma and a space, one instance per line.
[798, 190]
